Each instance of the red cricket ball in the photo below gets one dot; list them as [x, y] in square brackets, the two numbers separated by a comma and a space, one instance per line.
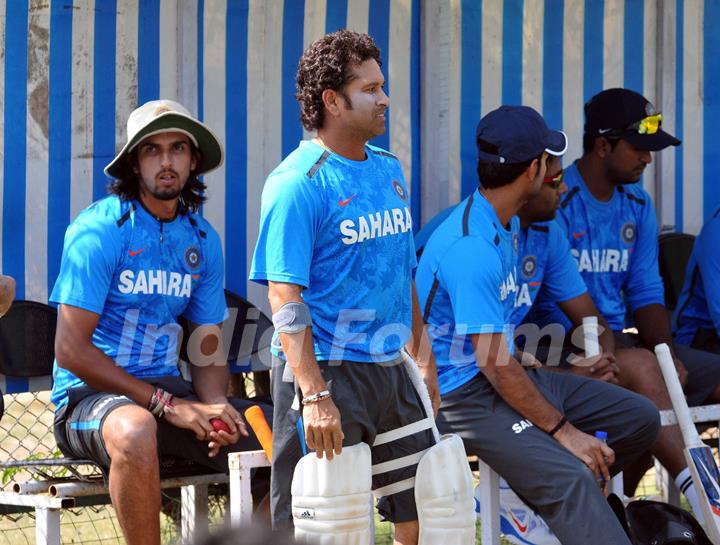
[219, 425]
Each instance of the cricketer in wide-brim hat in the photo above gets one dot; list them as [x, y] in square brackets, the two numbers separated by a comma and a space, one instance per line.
[159, 116]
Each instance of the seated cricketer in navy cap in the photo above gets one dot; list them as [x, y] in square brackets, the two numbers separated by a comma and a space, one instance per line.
[535, 428]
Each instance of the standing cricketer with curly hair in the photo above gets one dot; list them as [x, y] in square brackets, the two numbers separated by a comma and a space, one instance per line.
[336, 250]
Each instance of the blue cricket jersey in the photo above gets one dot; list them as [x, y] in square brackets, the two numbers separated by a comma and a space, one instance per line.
[699, 303]
[139, 274]
[467, 283]
[615, 246]
[545, 266]
[342, 230]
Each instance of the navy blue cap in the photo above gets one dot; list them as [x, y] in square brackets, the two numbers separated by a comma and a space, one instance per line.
[519, 133]
[612, 111]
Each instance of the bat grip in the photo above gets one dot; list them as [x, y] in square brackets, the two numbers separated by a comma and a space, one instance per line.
[679, 403]
[590, 336]
[257, 421]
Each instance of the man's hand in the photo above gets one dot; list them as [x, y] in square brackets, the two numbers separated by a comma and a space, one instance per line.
[196, 416]
[602, 367]
[323, 431]
[591, 451]
[681, 371]
[429, 375]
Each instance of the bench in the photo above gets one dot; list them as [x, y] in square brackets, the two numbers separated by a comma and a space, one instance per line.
[58, 483]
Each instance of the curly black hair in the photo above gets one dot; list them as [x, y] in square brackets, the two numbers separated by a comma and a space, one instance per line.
[328, 64]
[127, 186]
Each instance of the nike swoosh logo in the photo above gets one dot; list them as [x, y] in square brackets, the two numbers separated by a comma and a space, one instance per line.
[603, 131]
[522, 528]
[133, 253]
[579, 235]
[346, 201]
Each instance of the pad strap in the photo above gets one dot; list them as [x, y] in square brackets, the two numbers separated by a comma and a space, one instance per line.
[404, 431]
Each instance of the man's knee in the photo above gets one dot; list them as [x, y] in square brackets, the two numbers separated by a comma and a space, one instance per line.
[130, 435]
[638, 368]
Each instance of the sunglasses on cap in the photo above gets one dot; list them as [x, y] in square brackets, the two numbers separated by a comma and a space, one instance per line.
[647, 125]
[554, 181]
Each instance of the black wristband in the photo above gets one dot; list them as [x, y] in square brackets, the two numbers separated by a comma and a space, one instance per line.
[557, 427]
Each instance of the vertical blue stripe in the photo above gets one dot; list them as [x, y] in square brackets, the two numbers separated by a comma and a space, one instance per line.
[379, 29]
[148, 50]
[103, 93]
[336, 15]
[60, 129]
[593, 48]
[711, 114]
[634, 45]
[470, 92]
[553, 62]
[512, 51]
[200, 53]
[679, 99]
[236, 145]
[292, 50]
[14, 166]
[415, 206]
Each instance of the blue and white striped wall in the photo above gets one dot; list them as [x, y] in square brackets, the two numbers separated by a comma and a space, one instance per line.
[71, 71]
[554, 55]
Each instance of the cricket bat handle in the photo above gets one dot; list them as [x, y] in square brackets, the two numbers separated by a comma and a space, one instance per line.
[258, 423]
[679, 403]
[590, 335]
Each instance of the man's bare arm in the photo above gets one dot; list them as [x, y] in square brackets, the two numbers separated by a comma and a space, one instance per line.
[512, 383]
[75, 352]
[323, 431]
[208, 366]
[420, 348]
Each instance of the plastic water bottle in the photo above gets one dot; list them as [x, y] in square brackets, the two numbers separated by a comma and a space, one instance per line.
[602, 436]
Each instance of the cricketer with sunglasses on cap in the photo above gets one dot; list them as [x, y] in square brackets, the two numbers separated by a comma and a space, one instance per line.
[609, 222]
[547, 270]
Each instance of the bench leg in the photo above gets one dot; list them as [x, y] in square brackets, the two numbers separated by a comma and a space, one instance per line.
[241, 500]
[194, 511]
[489, 505]
[47, 526]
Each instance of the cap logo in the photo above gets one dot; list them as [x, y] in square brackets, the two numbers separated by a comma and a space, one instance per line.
[161, 110]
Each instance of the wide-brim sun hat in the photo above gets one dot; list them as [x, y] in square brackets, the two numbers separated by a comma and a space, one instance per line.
[160, 116]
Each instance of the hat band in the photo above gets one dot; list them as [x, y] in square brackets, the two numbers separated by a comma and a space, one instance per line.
[164, 130]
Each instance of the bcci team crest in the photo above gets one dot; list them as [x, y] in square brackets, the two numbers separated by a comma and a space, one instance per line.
[192, 257]
[400, 190]
[628, 232]
[529, 266]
